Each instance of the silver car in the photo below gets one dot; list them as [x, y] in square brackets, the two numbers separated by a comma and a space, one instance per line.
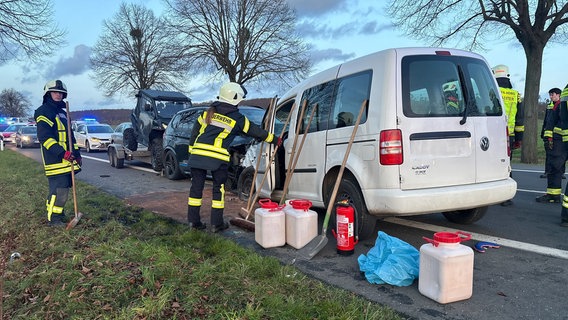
[93, 137]
[26, 136]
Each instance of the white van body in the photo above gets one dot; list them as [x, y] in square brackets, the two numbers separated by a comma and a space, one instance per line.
[432, 138]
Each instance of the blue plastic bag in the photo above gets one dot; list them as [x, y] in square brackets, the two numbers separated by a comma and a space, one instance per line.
[391, 261]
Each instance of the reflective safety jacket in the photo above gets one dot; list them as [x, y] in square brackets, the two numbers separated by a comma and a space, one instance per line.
[209, 143]
[552, 127]
[564, 113]
[514, 112]
[51, 121]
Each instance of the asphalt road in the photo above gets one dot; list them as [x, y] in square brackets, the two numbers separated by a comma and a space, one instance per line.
[527, 278]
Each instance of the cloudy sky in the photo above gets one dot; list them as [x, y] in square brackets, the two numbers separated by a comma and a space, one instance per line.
[338, 30]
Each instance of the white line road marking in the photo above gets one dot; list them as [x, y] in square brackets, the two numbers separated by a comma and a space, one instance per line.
[557, 253]
[133, 167]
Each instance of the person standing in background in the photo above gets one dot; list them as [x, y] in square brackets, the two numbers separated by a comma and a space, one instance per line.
[513, 110]
[552, 136]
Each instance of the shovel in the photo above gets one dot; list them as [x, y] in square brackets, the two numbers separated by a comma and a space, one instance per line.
[252, 199]
[78, 214]
[319, 242]
[295, 155]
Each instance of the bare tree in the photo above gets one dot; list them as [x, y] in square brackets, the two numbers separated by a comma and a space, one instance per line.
[137, 50]
[472, 23]
[26, 26]
[244, 40]
[13, 103]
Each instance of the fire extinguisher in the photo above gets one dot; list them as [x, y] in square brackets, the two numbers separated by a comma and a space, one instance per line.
[345, 236]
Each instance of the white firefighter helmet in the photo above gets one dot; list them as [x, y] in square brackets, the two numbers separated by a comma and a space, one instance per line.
[232, 93]
[55, 85]
[500, 71]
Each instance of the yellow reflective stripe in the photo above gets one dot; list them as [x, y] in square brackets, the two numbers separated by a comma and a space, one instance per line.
[216, 204]
[211, 148]
[219, 204]
[554, 192]
[548, 134]
[194, 202]
[558, 130]
[49, 142]
[269, 138]
[210, 154]
[62, 132]
[44, 119]
[519, 128]
[247, 125]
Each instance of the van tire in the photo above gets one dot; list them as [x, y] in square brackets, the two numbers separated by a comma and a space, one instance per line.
[364, 223]
[244, 183]
[468, 216]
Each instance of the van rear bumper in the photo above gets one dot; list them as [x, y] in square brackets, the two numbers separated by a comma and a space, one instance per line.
[393, 202]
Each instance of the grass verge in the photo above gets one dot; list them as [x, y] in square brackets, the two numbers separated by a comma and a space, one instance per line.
[123, 262]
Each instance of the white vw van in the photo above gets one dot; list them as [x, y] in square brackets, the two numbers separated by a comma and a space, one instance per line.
[432, 138]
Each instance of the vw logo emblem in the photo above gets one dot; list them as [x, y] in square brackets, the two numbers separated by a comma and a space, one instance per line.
[484, 143]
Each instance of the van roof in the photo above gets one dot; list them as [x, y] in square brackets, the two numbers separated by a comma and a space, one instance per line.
[393, 53]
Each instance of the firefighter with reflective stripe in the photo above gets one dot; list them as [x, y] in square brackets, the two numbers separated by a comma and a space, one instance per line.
[512, 108]
[552, 135]
[564, 121]
[209, 141]
[58, 161]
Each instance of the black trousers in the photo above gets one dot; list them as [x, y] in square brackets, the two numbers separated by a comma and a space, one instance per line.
[196, 195]
[556, 159]
[58, 194]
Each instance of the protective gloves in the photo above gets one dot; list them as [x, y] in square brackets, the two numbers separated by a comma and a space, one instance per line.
[69, 156]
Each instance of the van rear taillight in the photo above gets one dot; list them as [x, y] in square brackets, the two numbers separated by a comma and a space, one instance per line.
[443, 53]
[508, 143]
[390, 147]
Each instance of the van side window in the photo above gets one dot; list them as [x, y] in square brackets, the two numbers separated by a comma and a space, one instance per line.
[448, 86]
[485, 94]
[350, 93]
[320, 95]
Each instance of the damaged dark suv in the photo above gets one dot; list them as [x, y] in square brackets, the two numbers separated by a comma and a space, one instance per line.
[176, 140]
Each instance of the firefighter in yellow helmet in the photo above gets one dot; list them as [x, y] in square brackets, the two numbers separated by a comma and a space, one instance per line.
[209, 141]
[512, 109]
[58, 161]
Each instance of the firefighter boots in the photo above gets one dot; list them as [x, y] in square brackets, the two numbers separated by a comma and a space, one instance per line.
[548, 198]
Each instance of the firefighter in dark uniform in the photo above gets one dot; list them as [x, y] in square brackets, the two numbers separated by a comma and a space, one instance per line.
[209, 141]
[58, 161]
[564, 121]
[513, 110]
[555, 151]
[554, 94]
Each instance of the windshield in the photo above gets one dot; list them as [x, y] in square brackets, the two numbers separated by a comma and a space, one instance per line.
[253, 114]
[167, 109]
[100, 129]
[29, 130]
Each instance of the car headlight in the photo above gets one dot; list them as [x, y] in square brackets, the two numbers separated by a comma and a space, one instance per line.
[26, 138]
[95, 139]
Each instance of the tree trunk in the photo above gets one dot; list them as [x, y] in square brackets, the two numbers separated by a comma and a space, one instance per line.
[534, 55]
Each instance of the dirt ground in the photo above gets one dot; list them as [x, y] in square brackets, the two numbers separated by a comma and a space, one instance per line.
[174, 205]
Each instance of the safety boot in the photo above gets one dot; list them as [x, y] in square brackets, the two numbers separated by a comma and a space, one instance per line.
[548, 198]
[57, 220]
[197, 226]
[220, 228]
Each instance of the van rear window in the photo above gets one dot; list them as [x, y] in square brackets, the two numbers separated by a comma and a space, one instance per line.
[448, 86]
